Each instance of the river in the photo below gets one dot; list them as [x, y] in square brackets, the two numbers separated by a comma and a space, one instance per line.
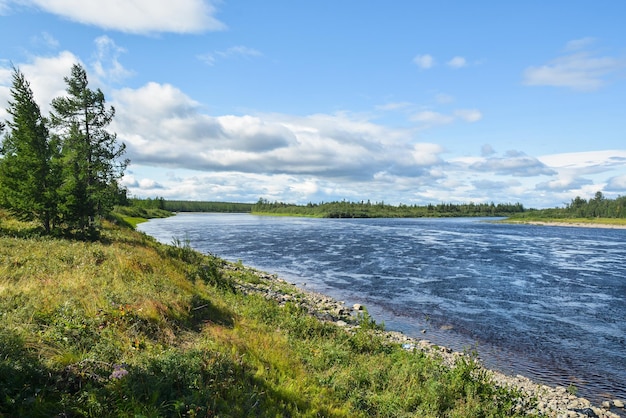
[545, 302]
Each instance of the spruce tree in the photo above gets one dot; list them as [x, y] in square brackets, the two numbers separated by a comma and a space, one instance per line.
[28, 178]
[90, 153]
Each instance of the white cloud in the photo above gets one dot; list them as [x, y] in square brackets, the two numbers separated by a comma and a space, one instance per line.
[617, 184]
[432, 118]
[469, 115]
[514, 163]
[426, 154]
[45, 75]
[233, 52]
[5, 91]
[179, 151]
[394, 106]
[164, 127]
[457, 62]
[136, 16]
[595, 160]
[563, 184]
[578, 44]
[580, 70]
[240, 51]
[4, 6]
[47, 40]
[106, 64]
[424, 61]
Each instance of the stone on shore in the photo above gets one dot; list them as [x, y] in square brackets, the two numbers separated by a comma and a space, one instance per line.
[550, 401]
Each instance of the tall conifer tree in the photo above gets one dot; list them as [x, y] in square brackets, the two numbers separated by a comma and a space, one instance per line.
[28, 179]
[90, 154]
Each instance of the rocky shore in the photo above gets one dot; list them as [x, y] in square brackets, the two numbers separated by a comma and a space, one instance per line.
[554, 402]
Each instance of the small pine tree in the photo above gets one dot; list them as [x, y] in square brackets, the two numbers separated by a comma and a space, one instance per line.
[28, 173]
[90, 154]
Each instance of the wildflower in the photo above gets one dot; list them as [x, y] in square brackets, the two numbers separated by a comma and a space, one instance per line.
[118, 371]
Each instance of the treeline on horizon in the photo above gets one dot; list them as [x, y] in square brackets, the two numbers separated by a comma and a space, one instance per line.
[190, 205]
[597, 207]
[345, 209]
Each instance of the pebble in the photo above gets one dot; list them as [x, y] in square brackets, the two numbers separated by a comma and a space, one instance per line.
[551, 401]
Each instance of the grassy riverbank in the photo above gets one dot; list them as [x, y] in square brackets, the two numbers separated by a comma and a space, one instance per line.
[579, 222]
[126, 326]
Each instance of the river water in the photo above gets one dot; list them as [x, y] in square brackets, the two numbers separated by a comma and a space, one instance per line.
[545, 302]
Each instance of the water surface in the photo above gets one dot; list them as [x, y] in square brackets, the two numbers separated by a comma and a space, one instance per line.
[545, 302]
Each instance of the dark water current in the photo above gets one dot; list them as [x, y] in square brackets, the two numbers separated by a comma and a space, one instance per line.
[545, 302]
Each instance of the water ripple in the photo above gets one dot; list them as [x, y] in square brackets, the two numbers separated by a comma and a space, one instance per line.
[546, 302]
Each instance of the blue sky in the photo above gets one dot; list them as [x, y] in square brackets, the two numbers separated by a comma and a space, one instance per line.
[402, 102]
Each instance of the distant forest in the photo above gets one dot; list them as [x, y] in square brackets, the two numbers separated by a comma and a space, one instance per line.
[597, 207]
[367, 209]
[191, 205]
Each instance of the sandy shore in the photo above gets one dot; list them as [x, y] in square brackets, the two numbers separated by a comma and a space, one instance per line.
[570, 224]
[551, 401]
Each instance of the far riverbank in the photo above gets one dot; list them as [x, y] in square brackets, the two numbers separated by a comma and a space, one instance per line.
[603, 223]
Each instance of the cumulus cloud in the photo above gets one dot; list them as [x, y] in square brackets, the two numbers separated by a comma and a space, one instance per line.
[394, 106]
[46, 40]
[432, 118]
[563, 184]
[425, 154]
[164, 127]
[424, 61]
[494, 185]
[145, 184]
[469, 115]
[617, 184]
[136, 16]
[429, 117]
[580, 69]
[514, 163]
[45, 75]
[457, 62]
[106, 64]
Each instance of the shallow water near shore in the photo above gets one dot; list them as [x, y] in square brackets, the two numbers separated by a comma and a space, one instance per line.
[545, 302]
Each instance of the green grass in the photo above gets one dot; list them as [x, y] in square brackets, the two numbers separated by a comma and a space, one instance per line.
[134, 221]
[590, 221]
[126, 327]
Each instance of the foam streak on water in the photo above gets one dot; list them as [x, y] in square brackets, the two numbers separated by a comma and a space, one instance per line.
[545, 302]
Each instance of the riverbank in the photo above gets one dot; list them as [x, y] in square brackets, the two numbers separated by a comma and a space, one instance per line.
[550, 401]
[610, 223]
[574, 224]
[127, 326]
